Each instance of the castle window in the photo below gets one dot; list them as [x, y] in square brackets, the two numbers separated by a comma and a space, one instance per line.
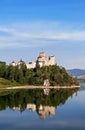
[49, 58]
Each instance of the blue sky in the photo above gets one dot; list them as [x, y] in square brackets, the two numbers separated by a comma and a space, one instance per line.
[54, 26]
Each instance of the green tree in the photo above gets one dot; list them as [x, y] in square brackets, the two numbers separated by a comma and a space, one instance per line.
[10, 72]
[2, 69]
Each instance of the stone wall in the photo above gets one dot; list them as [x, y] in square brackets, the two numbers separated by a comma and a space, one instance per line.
[42, 59]
[31, 65]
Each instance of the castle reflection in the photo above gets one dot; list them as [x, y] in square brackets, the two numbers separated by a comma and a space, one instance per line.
[42, 111]
[42, 101]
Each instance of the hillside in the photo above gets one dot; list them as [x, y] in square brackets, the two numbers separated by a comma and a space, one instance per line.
[19, 74]
[6, 83]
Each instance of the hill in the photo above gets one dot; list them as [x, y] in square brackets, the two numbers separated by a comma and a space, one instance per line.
[52, 75]
[76, 72]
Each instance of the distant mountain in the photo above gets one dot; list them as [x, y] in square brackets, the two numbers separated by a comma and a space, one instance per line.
[76, 72]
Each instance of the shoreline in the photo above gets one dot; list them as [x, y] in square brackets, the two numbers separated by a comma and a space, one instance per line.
[41, 87]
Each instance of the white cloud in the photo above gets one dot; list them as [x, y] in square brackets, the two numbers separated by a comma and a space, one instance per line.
[65, 41]
[38, 34]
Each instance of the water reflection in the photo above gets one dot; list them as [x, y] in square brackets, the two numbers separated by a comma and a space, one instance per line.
[43, 101]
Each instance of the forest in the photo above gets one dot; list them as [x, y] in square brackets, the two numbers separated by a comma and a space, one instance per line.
[20, 75]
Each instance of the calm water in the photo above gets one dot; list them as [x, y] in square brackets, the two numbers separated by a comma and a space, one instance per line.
[42, 109]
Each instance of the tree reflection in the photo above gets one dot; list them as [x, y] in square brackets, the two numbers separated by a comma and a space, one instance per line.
[43, 101]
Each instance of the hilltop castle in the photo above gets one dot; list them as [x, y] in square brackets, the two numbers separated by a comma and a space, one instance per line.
[42, 60]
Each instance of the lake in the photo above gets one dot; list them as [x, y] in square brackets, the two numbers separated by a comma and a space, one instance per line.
[42, 109]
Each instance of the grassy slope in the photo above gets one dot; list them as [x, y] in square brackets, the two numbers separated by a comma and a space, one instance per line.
[6, 83]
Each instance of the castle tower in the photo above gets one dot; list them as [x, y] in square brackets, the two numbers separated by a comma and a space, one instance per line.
[44, 60]
[42, 54]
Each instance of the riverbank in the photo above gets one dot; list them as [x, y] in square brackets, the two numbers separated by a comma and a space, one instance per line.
[43, 87]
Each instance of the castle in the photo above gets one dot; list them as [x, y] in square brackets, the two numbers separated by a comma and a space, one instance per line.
[42, 60]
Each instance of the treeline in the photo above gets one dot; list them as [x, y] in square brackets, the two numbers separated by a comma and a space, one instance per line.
[20, 74]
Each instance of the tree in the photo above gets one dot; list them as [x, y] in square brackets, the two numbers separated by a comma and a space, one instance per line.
[2, 69]
[10, 72]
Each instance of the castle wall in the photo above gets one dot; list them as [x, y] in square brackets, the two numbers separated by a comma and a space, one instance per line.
[31, 65]
[46, 61]
[50, 61]
[42, 59]
[13, 64]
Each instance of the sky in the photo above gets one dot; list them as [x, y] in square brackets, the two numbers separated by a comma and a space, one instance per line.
[57, 27]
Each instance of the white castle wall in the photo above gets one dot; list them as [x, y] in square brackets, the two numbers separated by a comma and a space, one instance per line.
[42, 59]
[13, 64]
[45, 61]
[31, 65]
